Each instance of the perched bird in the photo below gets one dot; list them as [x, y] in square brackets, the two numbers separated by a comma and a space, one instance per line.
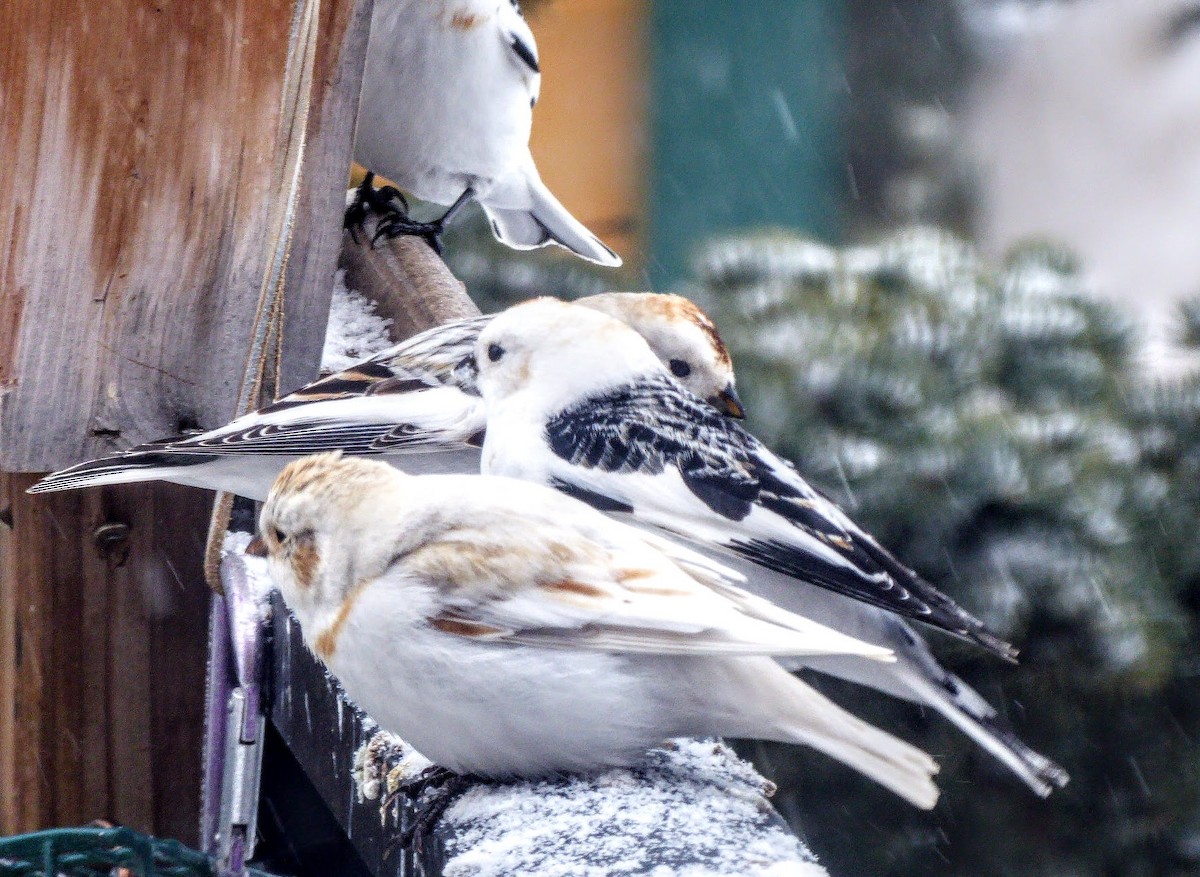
[579, 403]
[504, 629]
[414, 408]
[445, 111]
[407, 403]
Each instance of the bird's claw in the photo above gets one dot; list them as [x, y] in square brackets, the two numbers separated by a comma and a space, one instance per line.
[445, 787]
[395, 223]
[385, 201]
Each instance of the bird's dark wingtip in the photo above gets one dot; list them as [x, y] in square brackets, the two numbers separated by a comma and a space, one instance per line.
[1005, 650]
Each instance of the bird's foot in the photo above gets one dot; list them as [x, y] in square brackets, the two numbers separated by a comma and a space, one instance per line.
[440, 788]
[368, 200]
[396, 222]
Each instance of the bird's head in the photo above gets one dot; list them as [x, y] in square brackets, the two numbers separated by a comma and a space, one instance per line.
[551, 353]
[329, 524]
[684, 339]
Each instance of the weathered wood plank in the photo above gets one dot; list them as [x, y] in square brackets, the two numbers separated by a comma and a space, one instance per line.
[345, 27]
[161, 155]
[104, 675]
[8, 662]
[139, 185]
[27, 609]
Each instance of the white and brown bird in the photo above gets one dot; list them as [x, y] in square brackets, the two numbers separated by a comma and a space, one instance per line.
[445, 112]
[504, 629]
[407, 404]
[578, 402]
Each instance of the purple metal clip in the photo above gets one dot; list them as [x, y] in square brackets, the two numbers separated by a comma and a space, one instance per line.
[234, 721]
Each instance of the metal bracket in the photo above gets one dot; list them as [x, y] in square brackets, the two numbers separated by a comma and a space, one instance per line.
[239, 787]
[235, 721]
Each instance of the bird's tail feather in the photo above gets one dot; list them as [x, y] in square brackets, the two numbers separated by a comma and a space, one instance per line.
[797, 713]
[119, 469]
[546, 221]
[976, 718]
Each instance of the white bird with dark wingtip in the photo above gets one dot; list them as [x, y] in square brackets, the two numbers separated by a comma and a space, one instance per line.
[445, 112]
[406, 404]
[580, 403]
[504, 629]
[401, 405]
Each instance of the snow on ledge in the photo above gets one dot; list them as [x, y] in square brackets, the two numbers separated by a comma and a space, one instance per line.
[694, 808]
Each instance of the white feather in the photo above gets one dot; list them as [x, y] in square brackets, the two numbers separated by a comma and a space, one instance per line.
[419, 593]
[446, 105]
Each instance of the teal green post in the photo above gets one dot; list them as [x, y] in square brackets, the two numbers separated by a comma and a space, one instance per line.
[747, 103]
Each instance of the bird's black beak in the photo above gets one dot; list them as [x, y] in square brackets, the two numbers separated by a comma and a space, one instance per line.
[257, 547]
[728, 403]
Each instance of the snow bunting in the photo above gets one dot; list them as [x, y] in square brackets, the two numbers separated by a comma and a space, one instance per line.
[579, 401]
[445, 111]
[504, 629]
[633, 445]
[589, 412]
[407, 403]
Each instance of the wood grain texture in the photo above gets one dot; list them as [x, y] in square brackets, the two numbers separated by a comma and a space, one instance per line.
[345, 26]
[408, 281]
[140, 142]
[102, 714]
[137, 188]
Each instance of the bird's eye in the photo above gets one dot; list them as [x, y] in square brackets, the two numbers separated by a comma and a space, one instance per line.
[495, 351]
[679, 368]
[279, 535]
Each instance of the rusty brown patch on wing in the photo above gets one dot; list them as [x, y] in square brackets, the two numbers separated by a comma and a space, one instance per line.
[658, 592]
[463, 20]
[573, 587]
[625, 576]
[462, 627]
[636, 580]
[327, 640]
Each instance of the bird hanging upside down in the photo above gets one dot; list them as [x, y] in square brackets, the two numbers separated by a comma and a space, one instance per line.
[445, 113]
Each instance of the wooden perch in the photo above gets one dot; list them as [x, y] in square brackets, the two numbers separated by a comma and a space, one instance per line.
[407, 280]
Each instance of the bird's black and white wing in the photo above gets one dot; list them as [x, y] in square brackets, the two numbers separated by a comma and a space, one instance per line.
[669, 460]
[515, 562]
[408, 399]
[515, 32]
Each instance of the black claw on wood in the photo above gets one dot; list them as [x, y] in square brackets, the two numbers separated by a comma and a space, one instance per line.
[368, 200]
[396, 221]
[441, 788]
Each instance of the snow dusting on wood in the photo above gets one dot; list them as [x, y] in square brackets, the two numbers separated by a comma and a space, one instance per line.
[693, 808]
[355, 331]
